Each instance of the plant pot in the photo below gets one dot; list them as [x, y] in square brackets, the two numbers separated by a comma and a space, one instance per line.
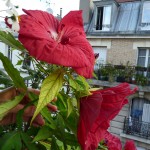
[120, 79]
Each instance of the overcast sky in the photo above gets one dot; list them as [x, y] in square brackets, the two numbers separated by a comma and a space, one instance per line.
[66, 5]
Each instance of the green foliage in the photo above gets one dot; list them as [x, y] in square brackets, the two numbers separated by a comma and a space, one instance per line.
[10, 40]
[11, 141]
[49, 89]
[5, 107]
[60, 129]
[12, 72]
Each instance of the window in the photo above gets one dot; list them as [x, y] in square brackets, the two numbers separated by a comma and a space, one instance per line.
[102, 51]
[103, 18]
[140, 109]
[144, 57]
[145, 21]
[138, 123]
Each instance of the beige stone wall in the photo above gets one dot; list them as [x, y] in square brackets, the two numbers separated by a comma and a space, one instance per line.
[121, 52]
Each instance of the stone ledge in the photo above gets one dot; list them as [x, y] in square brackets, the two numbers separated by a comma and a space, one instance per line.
[146, 141]
[109, 84]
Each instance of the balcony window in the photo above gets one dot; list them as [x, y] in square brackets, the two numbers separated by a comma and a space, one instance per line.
[103, 18]
[139, 122]
[143, 57]
[102, 51]
[145, 21]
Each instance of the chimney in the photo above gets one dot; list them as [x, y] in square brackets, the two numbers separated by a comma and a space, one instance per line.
[87, 7]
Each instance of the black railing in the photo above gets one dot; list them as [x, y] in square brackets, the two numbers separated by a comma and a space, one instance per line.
[137, 128]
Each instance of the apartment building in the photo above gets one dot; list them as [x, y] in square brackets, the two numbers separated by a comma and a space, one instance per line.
[119, 30]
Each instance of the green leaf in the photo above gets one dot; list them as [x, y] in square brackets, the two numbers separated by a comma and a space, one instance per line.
[54, 145]
[27, 140]
[5, 81]
[47, 115]
[12, 72]
[47, 145]
[70, 106]
[83, 83]
[49, 89]
[80, 85]
[10, 40]
[5, 107]
[11, 141]
[43, 134]
[71, 122]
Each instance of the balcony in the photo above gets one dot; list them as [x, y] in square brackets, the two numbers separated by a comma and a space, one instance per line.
[136, 75]
[137, 128]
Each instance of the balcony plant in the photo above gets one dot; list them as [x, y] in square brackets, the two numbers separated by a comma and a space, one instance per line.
[141, 80]
[111, 72]
[103, 73]
[120, 73]
[129, 72]
[61, 52]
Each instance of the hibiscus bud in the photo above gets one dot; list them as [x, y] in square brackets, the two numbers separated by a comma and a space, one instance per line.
[7, 22]
[96, 55]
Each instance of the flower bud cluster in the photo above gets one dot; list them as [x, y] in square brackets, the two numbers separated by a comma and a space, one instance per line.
[12, 19]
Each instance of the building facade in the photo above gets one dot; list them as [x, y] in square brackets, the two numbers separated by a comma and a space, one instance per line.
[119, 30]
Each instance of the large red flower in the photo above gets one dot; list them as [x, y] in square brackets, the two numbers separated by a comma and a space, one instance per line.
[62, 43]
[97, 110]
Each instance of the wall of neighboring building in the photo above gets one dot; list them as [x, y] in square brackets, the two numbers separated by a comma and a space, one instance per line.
[120, 50]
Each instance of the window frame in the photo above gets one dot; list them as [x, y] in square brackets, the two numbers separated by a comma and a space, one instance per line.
[144, 25]
[147, 56]
[103, 27]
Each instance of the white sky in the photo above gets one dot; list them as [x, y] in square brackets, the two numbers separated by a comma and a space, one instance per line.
[66, 5]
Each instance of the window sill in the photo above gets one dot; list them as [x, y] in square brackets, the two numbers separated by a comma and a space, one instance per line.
[146, 141]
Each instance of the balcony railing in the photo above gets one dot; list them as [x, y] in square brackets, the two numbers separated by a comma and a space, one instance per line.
[137, 128]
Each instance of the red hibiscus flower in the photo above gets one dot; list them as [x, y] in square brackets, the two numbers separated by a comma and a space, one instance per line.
[129, 145]
[62, 43]
[112, 142]
[97, 110]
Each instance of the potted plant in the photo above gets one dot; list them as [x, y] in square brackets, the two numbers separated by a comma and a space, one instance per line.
[120, 72]
[111, 72]
[141, 80]
[103, 73]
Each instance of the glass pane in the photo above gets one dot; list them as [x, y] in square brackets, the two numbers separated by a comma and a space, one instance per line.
[107, 15]
[146, 14]
[141, 61]
[148, 61]
[106, 18]
[142, 52]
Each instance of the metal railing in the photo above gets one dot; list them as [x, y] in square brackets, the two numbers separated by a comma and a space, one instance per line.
[137, 128]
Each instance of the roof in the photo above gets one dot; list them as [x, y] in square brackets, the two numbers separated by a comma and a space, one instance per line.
[123, 1]
[126, 20]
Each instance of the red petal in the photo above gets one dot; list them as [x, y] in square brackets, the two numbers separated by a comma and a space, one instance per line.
[44, 19]
[112, 142]
[89, 112]
[71, 48]
[74, 19]
[129, 145]
[111, 100]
